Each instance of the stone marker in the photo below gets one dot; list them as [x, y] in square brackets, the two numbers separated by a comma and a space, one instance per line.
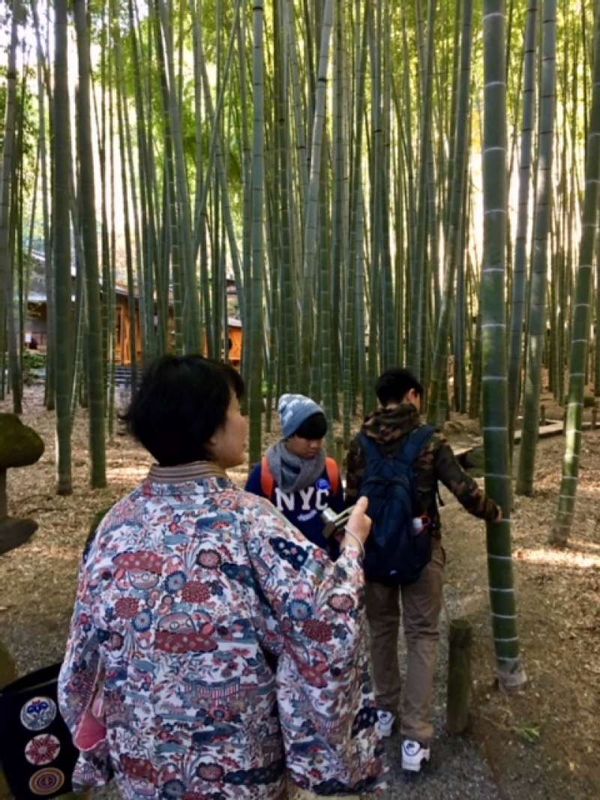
[20, 446]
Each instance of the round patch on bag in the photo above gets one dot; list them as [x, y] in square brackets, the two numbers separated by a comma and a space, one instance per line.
[38, 713]
[46, 781]
[42, 749]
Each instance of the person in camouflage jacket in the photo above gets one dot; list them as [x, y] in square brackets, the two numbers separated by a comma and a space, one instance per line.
[399, 394]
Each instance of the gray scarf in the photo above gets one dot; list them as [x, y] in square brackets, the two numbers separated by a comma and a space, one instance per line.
[291, 472]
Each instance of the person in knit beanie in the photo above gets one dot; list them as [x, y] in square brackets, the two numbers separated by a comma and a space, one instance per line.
[294, 410]
[296, 475]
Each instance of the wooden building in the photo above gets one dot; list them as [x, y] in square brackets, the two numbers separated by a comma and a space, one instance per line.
[124, 325]
[36, 327]
[234, 327]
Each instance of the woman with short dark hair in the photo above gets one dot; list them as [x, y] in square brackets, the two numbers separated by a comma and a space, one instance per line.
[212, 649]
[164, 414]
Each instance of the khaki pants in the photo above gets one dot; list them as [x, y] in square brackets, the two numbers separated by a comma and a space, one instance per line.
[421, 605]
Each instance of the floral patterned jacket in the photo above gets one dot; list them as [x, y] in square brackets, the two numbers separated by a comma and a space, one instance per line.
[226, 649]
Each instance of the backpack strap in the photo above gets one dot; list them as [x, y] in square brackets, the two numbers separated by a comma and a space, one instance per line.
[416, 441]
[333, 474]
[370, 447]
[267, 481]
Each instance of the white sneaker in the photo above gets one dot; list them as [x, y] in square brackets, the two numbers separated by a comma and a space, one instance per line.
[413, 755]
[386, 722]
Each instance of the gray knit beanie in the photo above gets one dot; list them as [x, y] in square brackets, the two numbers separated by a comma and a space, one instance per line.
[293, 410]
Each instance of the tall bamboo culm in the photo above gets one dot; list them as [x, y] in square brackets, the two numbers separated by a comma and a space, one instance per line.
[520, 258]
[311, 228]
[62, 250]
[254, 349]
[94, 363]
[580, 334]
[438, 408]
[541, 228]
[418, 303]
[6, 184]
[493, 337]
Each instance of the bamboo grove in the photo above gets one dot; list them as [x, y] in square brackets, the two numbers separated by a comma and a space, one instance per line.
[384, 183]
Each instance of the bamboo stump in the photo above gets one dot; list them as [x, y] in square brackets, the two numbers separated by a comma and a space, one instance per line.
[460, 636]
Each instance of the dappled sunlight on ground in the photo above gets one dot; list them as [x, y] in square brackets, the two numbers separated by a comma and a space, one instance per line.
[134, 472]
[557, 558]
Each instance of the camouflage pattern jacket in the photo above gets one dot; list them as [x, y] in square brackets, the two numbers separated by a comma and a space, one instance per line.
[389, 428]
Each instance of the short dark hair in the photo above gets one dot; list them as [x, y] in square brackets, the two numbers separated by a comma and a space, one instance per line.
[393, 385]
[180, 403]
[313, 427]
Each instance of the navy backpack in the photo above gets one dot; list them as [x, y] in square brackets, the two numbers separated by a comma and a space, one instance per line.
[396, 551]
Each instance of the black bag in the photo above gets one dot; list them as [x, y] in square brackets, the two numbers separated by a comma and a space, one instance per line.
[36, 749]
[396, 552]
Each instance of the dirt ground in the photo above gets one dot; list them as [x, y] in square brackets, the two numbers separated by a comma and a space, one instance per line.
[542, 742]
